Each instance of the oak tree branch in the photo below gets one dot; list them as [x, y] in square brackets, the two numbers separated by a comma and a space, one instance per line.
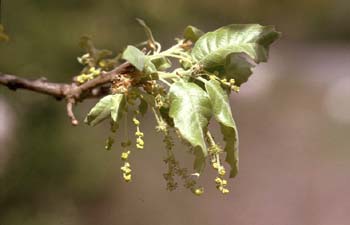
[71, 92]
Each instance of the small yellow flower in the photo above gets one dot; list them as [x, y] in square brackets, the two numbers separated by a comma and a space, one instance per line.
[222, 171]
[82, 78]
[235, 88]
[140, 141]
[126, 168]
[139, 134]
[136, 121]
[218, 180]
[125, 155]
[139, 146]
[199, 191]
[127, 177]
[212, 77]
[225, 191]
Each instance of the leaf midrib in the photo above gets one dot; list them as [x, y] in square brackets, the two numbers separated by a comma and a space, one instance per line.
[196, 115]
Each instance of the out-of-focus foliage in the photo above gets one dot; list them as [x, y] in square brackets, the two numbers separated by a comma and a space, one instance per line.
[3, 35]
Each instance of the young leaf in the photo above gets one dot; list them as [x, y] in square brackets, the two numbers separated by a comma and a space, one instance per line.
[164, 113]
[108, 106]
[192, 33]
[161, 63]
[190, 109]
[212, 49]
[149, 67]
[118, 105]
[239, 67]
[222, 113]
[136, 57]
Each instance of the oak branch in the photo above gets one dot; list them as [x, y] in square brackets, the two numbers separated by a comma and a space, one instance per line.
[71, 92]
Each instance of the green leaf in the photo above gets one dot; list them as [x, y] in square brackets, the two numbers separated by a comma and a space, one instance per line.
[213, 48]
[161, 63]
[118, 105]
[164, 113]
[192, 33]
[185, 64]
[108, 106]
[239, 67]
[222, 113]
[149, 67]
[136, 57]
[190, 109]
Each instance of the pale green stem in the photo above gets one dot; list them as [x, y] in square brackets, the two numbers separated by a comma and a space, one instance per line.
[201, 79]
[165, 82]
[212, 143]
[159, 47]
[170, 50]
[210, 138]
[165, 75]
[156, 116]
[176, 56]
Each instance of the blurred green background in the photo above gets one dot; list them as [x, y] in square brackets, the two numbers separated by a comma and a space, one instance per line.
[293, 116]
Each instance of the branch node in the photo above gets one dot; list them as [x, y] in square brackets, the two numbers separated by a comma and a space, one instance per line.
[70, 113]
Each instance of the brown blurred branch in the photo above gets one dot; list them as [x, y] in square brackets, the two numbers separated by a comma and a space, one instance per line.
[71, 92]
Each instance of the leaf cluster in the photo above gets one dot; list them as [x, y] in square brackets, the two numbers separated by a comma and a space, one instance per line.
[184, 98]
